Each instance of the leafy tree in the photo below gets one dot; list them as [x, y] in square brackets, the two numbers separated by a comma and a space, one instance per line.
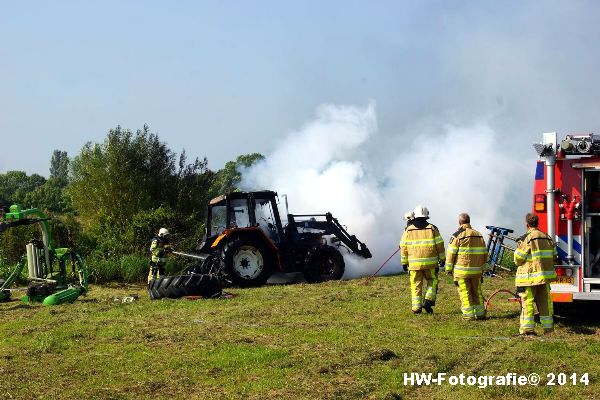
[59, 167]
[194, 181]
[15, 185]
[230, 176]
[113, 181]
[129, 186]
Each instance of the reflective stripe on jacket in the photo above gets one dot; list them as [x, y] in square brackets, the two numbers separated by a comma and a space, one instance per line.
[466, 253]
[535, 259]
[421, 246]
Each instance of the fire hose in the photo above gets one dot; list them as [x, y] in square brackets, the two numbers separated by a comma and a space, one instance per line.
[382, 265]
[514, 297]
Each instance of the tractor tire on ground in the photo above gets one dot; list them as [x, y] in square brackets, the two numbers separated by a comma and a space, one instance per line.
[174, 287]
[323, 263]
[247, 261]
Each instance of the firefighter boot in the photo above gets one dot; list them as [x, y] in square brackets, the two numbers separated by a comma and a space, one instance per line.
[428, 306]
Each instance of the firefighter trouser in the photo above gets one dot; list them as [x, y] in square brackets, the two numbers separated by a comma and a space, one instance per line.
[156, 270]
[417, 279]
[471, 298]
[540, 295]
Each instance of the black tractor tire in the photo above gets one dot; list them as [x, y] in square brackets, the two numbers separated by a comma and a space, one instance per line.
[323, 263]
[174, 287]
[254, 248]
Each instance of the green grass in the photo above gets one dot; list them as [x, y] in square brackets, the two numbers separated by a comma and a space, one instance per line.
[338, 340]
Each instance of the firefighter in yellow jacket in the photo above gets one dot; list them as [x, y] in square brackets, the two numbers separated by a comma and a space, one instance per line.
[465, 257]
[422, 254]
[159, 248]
[534, 258]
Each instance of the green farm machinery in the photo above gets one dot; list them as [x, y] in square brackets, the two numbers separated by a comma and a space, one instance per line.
[55, 275]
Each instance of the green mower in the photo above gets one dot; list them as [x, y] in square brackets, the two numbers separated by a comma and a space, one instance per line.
[50, 282]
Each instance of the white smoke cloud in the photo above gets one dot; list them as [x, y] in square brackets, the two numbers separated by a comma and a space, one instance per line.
[326, 166]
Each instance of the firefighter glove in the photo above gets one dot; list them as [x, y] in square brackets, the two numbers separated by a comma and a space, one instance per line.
[405, 267]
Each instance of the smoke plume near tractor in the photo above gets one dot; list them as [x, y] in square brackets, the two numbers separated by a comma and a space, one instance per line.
[331, 164]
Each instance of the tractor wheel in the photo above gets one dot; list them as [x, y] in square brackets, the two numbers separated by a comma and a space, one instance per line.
[174, 287]
[323, 263]
[247, 261]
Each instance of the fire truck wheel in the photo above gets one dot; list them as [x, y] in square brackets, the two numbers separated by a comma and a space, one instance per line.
[323, 263]
[247, 261]
[174, 287]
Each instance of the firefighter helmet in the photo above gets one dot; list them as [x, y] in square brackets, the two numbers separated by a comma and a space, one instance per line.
[409, 215]
[421, 212]
[163, 232]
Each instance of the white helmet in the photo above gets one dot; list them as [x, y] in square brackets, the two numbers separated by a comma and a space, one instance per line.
[409, 215]
[163, 232]
[421, 212]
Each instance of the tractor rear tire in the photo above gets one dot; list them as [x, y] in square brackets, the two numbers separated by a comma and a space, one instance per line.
[247, 261]
[323, 263]
[174, 287]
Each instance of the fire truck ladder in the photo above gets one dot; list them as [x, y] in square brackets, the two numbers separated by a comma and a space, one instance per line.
[496, 247]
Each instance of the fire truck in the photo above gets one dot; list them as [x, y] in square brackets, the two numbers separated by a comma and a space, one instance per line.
[566, 197]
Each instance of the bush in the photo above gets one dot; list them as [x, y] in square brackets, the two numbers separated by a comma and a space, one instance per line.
[131, 268]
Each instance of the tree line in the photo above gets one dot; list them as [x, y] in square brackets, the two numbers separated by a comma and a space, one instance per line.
[110, 199]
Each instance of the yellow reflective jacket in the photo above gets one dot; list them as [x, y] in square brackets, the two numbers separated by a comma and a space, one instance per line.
[535, 259]
[466, 253]
[421, 246]
[157, 249]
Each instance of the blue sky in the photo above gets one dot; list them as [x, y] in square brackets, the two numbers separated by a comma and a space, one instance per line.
[231, 77]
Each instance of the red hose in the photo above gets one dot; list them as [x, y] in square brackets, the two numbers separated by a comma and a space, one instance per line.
[382, 265]
[489, 299]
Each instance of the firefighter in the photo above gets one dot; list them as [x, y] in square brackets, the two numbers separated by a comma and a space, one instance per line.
[159, 248]
[535, 260]
[465, 257]
[422, 254]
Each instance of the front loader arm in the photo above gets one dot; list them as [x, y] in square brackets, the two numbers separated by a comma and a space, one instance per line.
[331, 226]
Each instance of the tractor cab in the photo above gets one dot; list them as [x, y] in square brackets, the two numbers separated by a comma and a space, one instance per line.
[245, 210]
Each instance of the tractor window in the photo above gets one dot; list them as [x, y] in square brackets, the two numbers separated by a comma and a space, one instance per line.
[263, 213]
[238, 213]
[218, 220]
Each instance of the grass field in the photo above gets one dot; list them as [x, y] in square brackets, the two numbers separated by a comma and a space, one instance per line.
[337, 340]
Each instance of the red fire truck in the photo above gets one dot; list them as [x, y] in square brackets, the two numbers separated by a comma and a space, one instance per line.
[566, 197]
